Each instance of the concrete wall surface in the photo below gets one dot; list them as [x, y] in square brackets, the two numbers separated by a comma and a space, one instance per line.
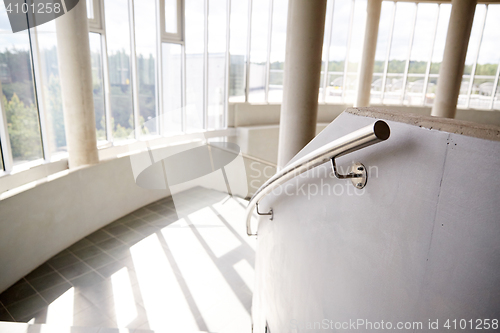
[245, 114]
[418, 243]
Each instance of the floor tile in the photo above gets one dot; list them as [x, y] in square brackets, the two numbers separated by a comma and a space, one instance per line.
[87, 280]
[117, 230]
[40, 271]
[130, 236]
[90, 317]
[110, 269]
[98, 236]
[100, 260]
[141, 212]
[22, 310]
[81, 303]
[121, 251]
[47, 281]
[4, 316]
[151, 217]
[53, 293]
[135, 223]
[109, 244]
[83, 243]
[97, 292]
[17, 292]
[62, 260]
[87, 252]
[75, 270]
[146, 230]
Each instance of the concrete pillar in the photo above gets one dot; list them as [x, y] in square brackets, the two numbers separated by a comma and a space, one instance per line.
[452, 66]
[304, 43]
[368, 56]
[75, 71]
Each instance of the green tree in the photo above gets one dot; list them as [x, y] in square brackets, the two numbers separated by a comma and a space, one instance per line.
[23, 127]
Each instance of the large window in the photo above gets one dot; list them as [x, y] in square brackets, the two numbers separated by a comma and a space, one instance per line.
[166, 67]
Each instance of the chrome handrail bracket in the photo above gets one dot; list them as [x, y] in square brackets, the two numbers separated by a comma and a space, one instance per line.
[364, 137]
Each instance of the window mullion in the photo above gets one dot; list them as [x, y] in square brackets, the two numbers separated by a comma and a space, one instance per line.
[429, 62]
[39, 93]
[268, 60]
[249, 42]
[205, 67]
[327, 51]
[388, 53]
[8, 161]
[494, 89]
[159, 68]
[348, 47]
[133, 62]
[228, 63]
[474, 65]
[407, 65]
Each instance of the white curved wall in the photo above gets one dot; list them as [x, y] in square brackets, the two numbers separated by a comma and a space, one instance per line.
[419, 242]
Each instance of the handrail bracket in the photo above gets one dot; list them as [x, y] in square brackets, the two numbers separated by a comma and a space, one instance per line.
[270, 213]
[357, 174]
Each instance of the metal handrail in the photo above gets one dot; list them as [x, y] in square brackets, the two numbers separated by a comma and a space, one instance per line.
[364, 137]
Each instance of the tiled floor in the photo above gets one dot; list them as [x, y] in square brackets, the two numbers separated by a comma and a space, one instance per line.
[186, 266]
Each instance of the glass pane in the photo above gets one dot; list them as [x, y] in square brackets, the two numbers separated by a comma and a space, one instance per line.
[278, 46]
[50, 95]
[238, 50]
[145, 44]
[172, 83]
[384, 32]
[118, 44]
[487, 61]
[194, 65]
[18, 93]
[90, 9]
[258, 50]
[324, 60]
[399, 52]
[97, 85]
[170, 16]
[216, 63]
[356, 49]
[438, 51]
[475, 39]
[337, 53]
[420, 53]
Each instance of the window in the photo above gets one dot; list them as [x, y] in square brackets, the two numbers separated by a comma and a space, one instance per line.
[472, 54]
[421, 51]
[49, 87]
[118, 47]
[483, 94]
[98, 85]
[195, 65]
[172, 88]
[217, 19]
[277, 52]
[238, 45]
[19, 99]
[258, 51]
[437, 52]
[382, 51]
[338, 51]
[145, 50]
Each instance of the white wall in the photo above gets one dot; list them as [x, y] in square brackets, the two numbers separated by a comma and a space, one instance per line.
[419, 242]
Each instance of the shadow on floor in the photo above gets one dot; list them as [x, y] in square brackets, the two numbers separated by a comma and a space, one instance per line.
[184, 264]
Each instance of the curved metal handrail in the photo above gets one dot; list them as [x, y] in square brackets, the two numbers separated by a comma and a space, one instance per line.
[364, 137]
